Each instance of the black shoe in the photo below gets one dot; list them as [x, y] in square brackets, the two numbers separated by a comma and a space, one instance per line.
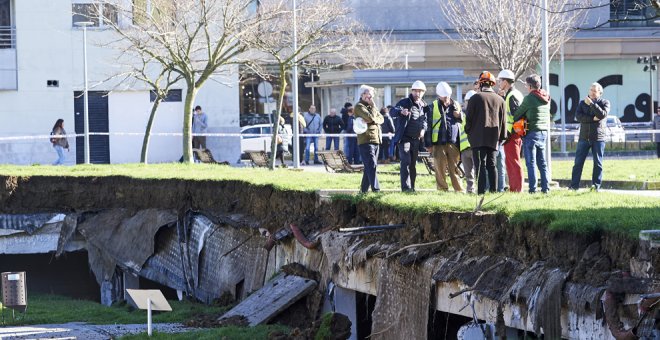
[317, 162]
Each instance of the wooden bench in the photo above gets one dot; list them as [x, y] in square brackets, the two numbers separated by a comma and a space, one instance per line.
[428, 161]
[205, 156]
[335, 161]
[258, 158]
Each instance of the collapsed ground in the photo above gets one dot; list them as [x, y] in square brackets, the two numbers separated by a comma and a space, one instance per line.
[589, 258]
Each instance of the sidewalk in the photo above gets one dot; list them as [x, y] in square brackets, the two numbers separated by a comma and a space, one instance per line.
[79, 330]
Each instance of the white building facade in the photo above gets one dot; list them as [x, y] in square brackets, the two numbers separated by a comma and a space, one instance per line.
[42, 79]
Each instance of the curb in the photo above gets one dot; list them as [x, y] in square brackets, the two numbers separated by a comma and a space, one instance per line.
[617, 185]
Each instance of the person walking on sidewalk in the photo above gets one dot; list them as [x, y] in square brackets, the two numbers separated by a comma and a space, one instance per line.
[59, 141]
[370, 140]
[199, 125]
[442, 138]
[592, 114]
[513, 144]
[535, 107]
[313, 126]
[410, 129]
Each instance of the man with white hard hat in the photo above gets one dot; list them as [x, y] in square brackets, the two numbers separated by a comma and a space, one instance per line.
[512, 98]
[443, 137]
[410, 128]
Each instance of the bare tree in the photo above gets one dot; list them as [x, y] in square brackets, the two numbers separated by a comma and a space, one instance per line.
[323, 28]
[508, 32]
[373, 52]
[193, 39]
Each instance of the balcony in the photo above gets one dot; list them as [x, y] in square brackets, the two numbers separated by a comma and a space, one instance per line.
[8, 69]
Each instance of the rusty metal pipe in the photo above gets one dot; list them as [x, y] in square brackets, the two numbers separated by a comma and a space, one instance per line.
[612, 319]
[302, 239]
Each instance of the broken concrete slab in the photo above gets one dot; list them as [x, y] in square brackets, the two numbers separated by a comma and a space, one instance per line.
[266, 303]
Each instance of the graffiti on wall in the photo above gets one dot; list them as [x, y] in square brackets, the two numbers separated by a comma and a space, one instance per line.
[624, 83]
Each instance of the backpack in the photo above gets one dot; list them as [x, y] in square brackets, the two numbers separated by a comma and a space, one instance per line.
[520, 127]
[53, 140]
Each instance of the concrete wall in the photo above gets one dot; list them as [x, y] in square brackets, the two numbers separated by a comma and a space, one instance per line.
[49, 48]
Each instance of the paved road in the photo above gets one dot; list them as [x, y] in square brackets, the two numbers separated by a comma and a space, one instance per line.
[79, 330]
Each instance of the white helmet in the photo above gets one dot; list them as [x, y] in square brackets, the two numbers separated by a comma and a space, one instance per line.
[469, 94]
[418, 85]
[506, 74]
[443, 89]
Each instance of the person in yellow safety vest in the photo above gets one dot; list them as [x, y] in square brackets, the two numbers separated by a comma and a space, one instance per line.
[442, 137]
[466, 151]
[512, 146]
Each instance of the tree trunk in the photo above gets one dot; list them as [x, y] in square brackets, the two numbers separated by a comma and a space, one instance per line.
[147, 133]
[191, 93]
[276, 119]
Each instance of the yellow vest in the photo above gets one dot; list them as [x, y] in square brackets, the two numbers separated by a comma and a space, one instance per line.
[464, 143]
[509, 115]
[437, 115]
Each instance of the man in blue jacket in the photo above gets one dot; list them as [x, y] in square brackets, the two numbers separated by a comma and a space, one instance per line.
[410, 128]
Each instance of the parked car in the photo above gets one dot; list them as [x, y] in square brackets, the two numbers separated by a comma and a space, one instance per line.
[262, 142]
[256, 142]
[614, 133]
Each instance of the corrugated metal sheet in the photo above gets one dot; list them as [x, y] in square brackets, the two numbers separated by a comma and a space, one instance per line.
[28, 222]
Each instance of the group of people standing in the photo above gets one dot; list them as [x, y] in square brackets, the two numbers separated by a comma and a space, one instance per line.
[482, 141]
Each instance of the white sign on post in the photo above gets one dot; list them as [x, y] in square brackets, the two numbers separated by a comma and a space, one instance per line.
[149, 299]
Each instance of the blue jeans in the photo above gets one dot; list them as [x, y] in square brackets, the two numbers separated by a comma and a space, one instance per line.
[330, 140]
[308, 142]
[501, 169]
[369, 154]
[534, 151]
[352, 153]
[60, 155]
[597, 151]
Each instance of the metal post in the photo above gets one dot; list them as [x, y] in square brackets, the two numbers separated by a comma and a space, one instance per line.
[84, 25]
[149, 316]
[651, 86]
[562, 105]
[312, 74]
[546, 78]
[294, 90]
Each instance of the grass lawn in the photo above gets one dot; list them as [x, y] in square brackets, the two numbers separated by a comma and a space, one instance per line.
[231, 332]
[581, 211]
[55, 309]
[613, 169]
[45, 308]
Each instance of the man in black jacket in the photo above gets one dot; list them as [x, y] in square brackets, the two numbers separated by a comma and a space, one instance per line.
[386, 128]
[410, 128]
[592, 115]
[332, 124]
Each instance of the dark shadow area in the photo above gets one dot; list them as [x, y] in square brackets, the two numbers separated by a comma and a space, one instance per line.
[69, 275]
[444, 325]
[364, 307]
[169, 293]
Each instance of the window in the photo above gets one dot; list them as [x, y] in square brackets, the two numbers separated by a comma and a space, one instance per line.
[633, 13]
[5, 13]
[172, 96]
[99, 14]
[254, 130]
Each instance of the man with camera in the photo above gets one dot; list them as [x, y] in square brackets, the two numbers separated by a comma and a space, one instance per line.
[411, 126]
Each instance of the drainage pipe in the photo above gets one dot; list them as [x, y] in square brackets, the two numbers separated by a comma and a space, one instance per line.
[302, 239]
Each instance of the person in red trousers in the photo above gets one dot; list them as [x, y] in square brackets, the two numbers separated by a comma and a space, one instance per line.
[513, 98]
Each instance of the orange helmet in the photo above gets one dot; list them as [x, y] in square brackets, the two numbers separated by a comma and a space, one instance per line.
[486, 78]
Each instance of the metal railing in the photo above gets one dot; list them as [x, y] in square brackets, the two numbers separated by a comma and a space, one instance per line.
[7, 37]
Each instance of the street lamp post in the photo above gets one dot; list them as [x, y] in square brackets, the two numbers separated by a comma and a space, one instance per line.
[84, 25]
[651, 65]
[296, 145]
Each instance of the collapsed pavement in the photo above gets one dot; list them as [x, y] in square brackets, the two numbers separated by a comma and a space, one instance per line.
[206, 239]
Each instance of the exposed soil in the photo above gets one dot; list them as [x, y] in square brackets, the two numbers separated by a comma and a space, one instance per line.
[492, 234]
